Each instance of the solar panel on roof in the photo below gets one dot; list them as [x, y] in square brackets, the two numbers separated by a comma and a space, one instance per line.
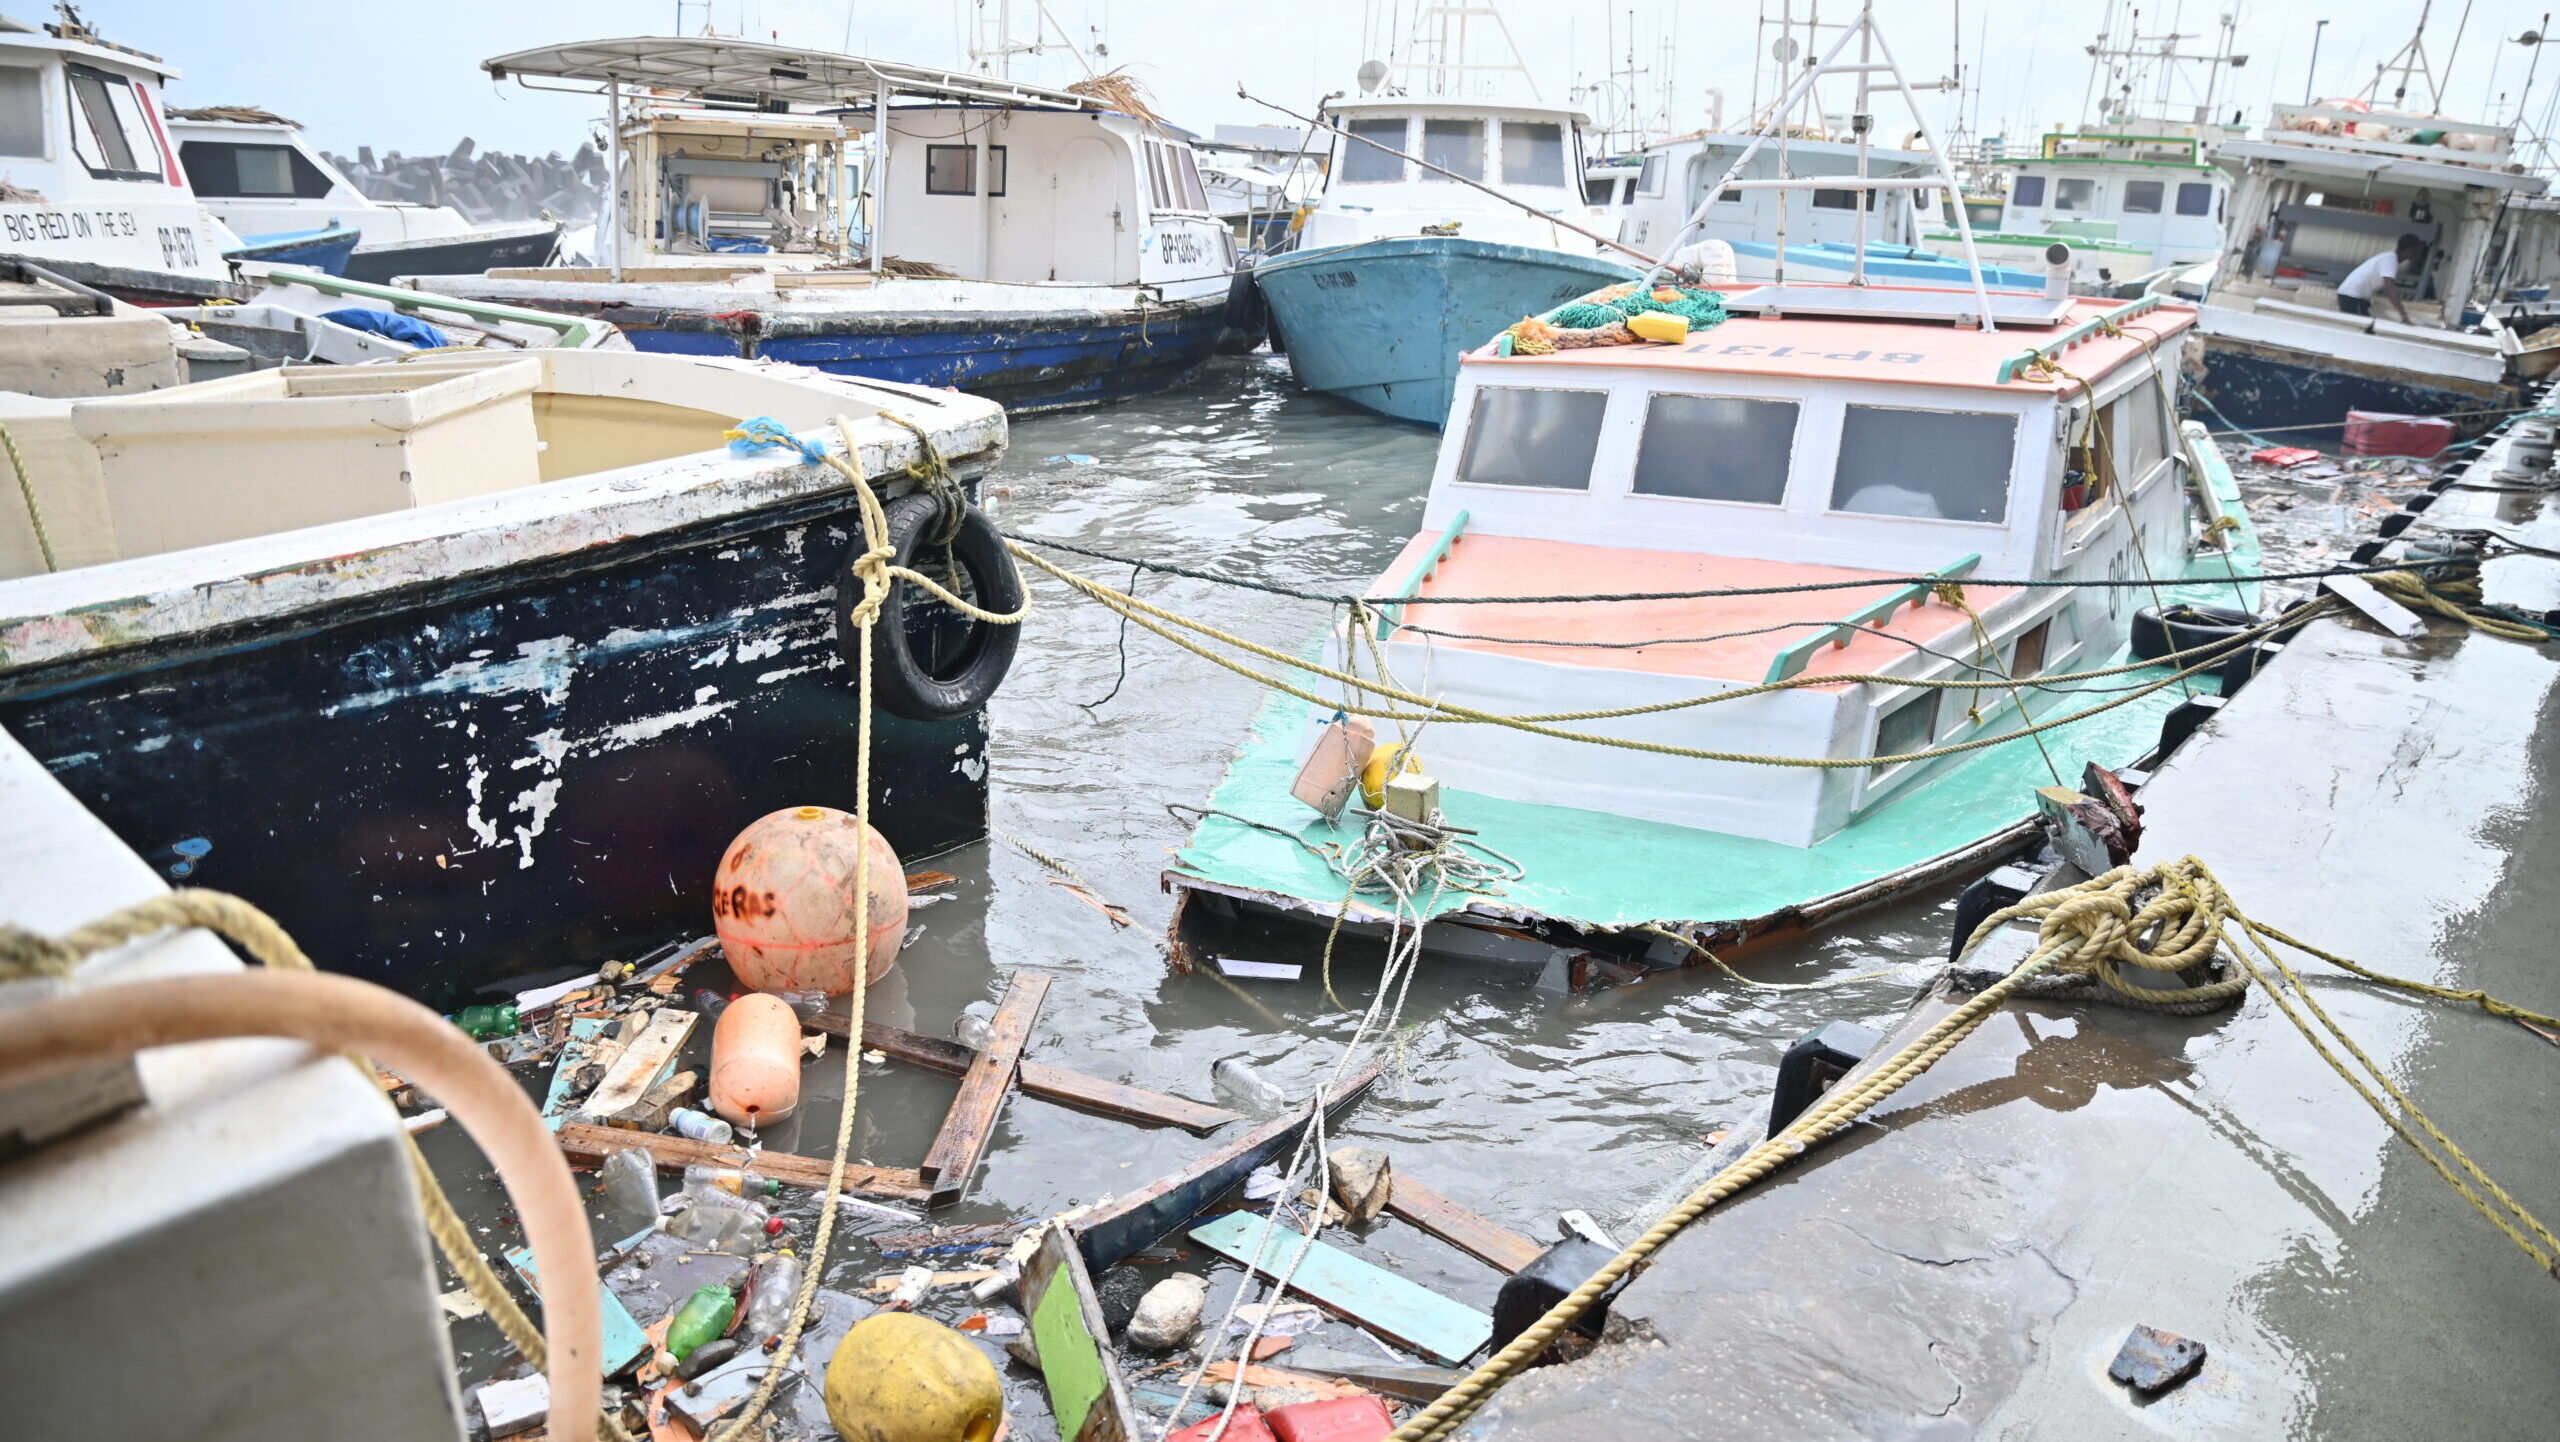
[1864, 303]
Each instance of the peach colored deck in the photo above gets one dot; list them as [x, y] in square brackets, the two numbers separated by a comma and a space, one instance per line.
[1480, 565]
[1901, 352]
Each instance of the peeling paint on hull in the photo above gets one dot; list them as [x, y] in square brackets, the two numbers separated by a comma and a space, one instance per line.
[2264, 388]
[481, 781]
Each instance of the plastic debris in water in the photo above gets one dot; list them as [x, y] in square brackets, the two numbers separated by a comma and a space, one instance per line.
[1073, 460]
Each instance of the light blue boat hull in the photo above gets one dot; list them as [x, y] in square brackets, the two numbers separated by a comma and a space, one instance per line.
[1886, 265]
[1382, 324]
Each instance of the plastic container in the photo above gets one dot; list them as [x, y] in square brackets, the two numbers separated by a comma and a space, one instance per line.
[488, 1023]
[1339, 1419]
[631, 1188]
[2374, 433]
[806, 1005]
[716, 1222]
[731, 1180]
[777, 1286]
[703, 1316]
[1239, 1080]
[976, 1026]
[700, 1126]
[1245, 1426]
[755, 1062]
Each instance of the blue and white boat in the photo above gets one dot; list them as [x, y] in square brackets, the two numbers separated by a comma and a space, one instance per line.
[325, 249]
[1398, 268]
[865, 217]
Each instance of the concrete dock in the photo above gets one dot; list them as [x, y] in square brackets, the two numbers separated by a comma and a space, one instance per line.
[1969, 1259]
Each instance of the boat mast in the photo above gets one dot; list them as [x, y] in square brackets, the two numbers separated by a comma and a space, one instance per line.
[1437, 51]
[992, 46]
[2412, 62]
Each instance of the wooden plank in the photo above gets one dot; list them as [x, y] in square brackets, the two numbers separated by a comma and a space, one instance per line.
[962, 1142]
[624, 1342]
[585, 1034]
[1485, 1240]
[1109, 1235]
[1086, 1393]
[643, 1064]
[1408, 1315]
[1408, 1381]
[591, 1144]
[1255, 1376]
[1116, 1100]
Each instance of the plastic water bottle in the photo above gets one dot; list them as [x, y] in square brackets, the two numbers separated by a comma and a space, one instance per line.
[703, 1316]
[717, 1222]
[777, 1286]
[1239, 1080]
[631, 1188]
[487, 1023]
[976, 1026]
[700, 1126]
[808, 1005]
[735, 1182]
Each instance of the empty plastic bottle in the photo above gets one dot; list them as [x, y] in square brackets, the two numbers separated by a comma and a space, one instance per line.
[718, 1223]
[976, 1026]
[1239, 1080]
[700, 1126]
[487, 1023]
[777, 1286]
[703, 1316]
[735, 1182]
[710, 1003]
[631, 1188]
[808, 1005]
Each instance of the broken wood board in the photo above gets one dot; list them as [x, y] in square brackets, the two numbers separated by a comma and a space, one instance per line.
[1406, 1381]
[960, 1145]
[624, 1342]
[649, 1060]
[948, 1241]
[1484, 1240]
[883, 1286]
[588, 1144]
[1086, 1393]
[584, 1034]
[1411, 1316]
[1116, 1100]
[1257, 1376]
[1108, 1235]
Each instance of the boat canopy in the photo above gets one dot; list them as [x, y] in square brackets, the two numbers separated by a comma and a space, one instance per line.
[747, 71]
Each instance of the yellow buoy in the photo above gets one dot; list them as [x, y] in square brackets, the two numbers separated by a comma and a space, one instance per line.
[1384, 762]
[898, 1377]
[1659, 325]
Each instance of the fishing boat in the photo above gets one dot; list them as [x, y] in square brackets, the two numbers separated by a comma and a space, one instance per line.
[1756, 554]
[255, 172]
[89, 183]
[1444, 217]
[2129, 206]
[471, 665]
[861, 216]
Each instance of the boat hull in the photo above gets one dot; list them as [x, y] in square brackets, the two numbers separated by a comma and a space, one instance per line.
[1027, 362]
[460, 255]
[2260, 387]
[1381, 324]
[535, 767]
[324, 251]
[1886, 265]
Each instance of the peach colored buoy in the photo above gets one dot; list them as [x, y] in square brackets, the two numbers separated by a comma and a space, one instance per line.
[782, 903]
[755, 1061]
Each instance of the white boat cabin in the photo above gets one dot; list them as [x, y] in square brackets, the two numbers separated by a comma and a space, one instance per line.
[254, 171]
[87, 172]
[1533, 154]
[2152, 193]
[1831, 445]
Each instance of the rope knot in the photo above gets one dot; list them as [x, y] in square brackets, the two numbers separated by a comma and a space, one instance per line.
[1948, 593]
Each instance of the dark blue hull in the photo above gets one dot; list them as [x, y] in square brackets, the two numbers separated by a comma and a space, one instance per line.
[1029, 363]
[2306, 398]
[463, 255]
[521, 772]
[324, 251]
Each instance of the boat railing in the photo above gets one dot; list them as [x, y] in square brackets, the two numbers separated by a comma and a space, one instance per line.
[1391, 614]
[574, 333]
[2047, 352]
[2282, 129]
[1793, 660]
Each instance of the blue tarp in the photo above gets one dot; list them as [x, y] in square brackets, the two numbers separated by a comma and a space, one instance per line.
[389, 323]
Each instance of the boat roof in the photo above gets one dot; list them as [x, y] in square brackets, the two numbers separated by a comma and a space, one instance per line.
[17, 34]
[2303, 156]
[1897, 352]
[717, 68]
[1354, 105]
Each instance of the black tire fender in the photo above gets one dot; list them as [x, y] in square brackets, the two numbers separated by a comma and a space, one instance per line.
[930, 663]
[2160, 631]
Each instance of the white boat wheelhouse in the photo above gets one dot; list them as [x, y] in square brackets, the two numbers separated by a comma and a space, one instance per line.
[1772, 452]
[259, 176]
[1676, 173]
[1532, 154]
[2151, 193]
[87, 172]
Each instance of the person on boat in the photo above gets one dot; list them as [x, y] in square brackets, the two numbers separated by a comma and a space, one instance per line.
[2381, 272]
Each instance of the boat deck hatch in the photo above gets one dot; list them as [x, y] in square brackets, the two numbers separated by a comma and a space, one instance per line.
[1863, 303]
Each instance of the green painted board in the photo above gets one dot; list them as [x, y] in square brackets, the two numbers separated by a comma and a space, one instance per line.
[1086, 1395]
[1387, 1304]
[583, 1032]
[624, 1342]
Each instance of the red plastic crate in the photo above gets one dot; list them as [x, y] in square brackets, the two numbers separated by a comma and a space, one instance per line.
[1245, 1426]
[2374, 433]
[1343, 1419]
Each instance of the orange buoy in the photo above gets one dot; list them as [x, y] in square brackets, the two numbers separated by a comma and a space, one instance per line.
[782, 903]
[755, 1061]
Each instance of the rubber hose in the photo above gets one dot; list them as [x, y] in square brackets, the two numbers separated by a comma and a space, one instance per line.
[343, 1013]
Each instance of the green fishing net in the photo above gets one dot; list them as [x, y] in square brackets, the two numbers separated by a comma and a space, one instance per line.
[1700, 308]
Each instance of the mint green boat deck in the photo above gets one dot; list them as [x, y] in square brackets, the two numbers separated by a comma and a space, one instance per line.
[1597, 871]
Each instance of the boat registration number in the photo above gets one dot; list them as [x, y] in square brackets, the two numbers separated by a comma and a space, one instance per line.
[1781, 352]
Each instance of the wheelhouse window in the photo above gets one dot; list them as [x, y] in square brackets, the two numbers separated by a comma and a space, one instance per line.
[1716, 448]
[2195, 197]
[1598, 192]
[2079, 195]
[2142, 197]
[22, 112]
[1842, 199]
[1159, 183]
[1533, 154]
[1930, 465]
[953, 170]
[1649, 179]
[108, 130]
[1909, 726]
[2028, 192]
[1186, 172]
[1456, 146]
[2139, 435]
[225, 170]
[1367, 164]
[1518, 436]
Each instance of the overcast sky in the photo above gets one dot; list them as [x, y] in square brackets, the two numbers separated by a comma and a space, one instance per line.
[402, 75]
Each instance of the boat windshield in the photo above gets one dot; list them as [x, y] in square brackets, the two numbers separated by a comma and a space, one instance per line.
[1716, 448]
[1366, 164]
[1457, 146]
[1930, 465]
[1532, 153]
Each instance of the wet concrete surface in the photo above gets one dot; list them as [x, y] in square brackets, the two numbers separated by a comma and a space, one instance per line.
[1968, 1261]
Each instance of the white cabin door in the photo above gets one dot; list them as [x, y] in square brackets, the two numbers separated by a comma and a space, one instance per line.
[1093, 224]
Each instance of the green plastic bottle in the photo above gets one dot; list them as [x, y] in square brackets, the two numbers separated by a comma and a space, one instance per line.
[487, 1023]
[704, 1315]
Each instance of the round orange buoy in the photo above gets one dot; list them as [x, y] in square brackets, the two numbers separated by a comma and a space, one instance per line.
[782, 903]
[755, 1061]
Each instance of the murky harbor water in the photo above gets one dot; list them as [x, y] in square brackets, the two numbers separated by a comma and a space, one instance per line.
[1510, 1100]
